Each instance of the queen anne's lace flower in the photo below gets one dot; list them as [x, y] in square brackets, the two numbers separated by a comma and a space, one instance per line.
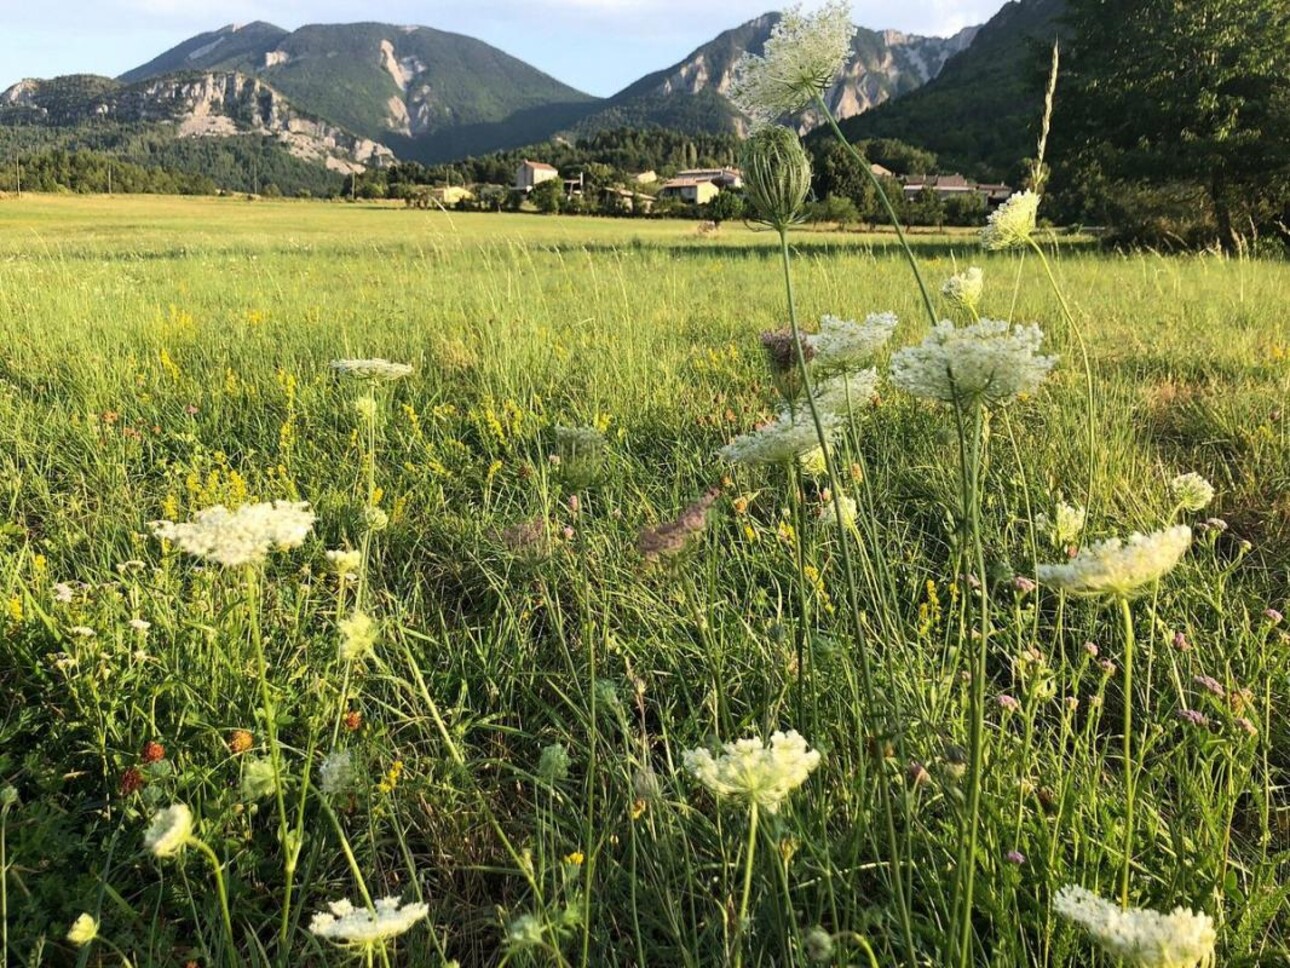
[1140, 937]
[990, 362]
[964, 289]
[169, 831]
[1116, 568]
[848, 507]
[349, 926]
[378, 369]
[345, 562]
[336, 774]
[786, 438]
[241, 537]
[1192, 491]
[843, 344]
[843, 395]
[1065, 526]
[801, 59]
[752, 770]
[1012, 224]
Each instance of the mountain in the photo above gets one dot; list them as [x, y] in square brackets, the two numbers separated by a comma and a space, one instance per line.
[691, 94]
[981, 113]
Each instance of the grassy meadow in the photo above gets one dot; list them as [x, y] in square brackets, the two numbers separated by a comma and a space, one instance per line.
[161, 356]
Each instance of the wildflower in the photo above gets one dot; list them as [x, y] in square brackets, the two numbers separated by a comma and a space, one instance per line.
[781, 350]
[336, 774]
[917, 774]
[241, 537]
[1273, 616]
[1247, 726]
[349, 926]
[1180, 641]
[83, 631]
[258, 779]
[819, 945]
[575, 859]
[524, 932]
[782, 440]
[62, 592]
[1119, 568]
[1210, 684]
[1091, 648]
[357, 636]
[1065, 526]
[763, 774]
[375, 520]
[1015, 857]
[989, 362]
[240, 741]
[1023, 585]
[153, 752]
[353, 720]
[1140, 937]
[843, 344]
[553, 764]
[964, 289]
[1012, 224]
[777, 174]
[841, 395]
[846, 508]
[140, 625]
[671, 538]
[814, 463]
[1008, 703]
[802, 57]
[378, 369]
[580, 453]
[169, 831]
[132, 780]
[366, 409]
[345, 563]
[1193, 716]
[1191, 491]
[83, 930]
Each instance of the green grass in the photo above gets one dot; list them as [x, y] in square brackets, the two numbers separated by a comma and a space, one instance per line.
[158, 356]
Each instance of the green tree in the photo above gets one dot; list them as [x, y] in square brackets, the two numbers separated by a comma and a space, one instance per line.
[726, 205]
[1164, 92]
[548, 197]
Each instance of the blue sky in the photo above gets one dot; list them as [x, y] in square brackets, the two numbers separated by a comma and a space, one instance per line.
[599, 46]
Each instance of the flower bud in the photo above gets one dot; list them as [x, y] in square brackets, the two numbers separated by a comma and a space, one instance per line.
[777, 175]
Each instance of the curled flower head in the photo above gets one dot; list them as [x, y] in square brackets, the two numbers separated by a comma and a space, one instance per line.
[345, 563]
[377, 370]
[1191, 491]
[669, 539]
[169, 831]
[843, 344]
[964, 289]
[241, 537]
[351, 927]
[1115, 568]
[553, 764]
[1012, 224]
[1140, 937]
[800, 61]
[763, 774]
[83, 930]
[990, 362]
[777, 174]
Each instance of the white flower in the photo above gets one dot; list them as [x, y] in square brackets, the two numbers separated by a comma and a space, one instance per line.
[241, 537]
[1140, 937]
[751, 770]
[1118, 568]
[83, 631]
[1013, 223]
[989, 362]
[371, 369]
[140, 625]
[336, 775]
[63, 592]
[964, 289]
[1065, 526]
[347, 925]
[524, 932]
[1192, 491]
[814, 463]
[801, 59]
[843, 395]
[844, 344]
[786, 438]
[345, 563]
[357, 636]
[83, 930]
[169, 831]
[848, 507]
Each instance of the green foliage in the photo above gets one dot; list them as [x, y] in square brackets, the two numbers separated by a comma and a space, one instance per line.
[548, 197]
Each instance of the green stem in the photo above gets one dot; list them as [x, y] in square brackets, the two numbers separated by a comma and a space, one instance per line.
[748, 873]
[349, 853]
[1129, 780]
[886, 204]
[222, 890]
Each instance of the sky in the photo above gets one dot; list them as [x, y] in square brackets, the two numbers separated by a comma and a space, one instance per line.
[598, 46]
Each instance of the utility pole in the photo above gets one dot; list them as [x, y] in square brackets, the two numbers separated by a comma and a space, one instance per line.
[17, 175]
[109, 177]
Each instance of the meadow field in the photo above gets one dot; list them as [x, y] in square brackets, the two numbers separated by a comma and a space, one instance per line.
[547, 590]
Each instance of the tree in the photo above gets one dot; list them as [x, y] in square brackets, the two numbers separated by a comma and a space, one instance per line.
[548, 196]
[1166, 93]
[723, 207]
[834, 208]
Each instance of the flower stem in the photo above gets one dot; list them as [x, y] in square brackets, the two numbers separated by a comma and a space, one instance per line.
[1129, 781]
[748, 873]
[222, 890]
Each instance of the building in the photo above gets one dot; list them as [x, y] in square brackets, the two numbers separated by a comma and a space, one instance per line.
[645, 177]
[952, 186]
[625, 200]
[723, 177]
[530, 174]
[881, 172]
[695, 191]
[451, 194]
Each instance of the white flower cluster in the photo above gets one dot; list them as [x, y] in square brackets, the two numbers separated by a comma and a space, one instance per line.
[801, 59]
[337, 775]
[358, 927]
[989, 362]
[378, 370]
[358, 633]
[1191, 491]
[1116, 568]
[1140, 937]
[1012, 224]
[1065, 526]
[964, 289]
[241, 537]
[842, 395]
[754, 771]
[843, 344]
[846, 505]
[169, 831]
[788, 437]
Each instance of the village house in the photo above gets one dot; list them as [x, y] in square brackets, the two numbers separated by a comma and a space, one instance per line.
[952, 186]
[645, 177]
[695, 191]
[722, 177]
[530, 174]
[625, 200]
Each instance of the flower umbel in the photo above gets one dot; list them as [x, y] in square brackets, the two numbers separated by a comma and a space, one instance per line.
[1012, 224]
[964, 289]
[379, 370]
[1115, 568]
[349, 926]
[764, 774]
[777, 174]
[1065, 526]
[843, 344]
[241, 537]
[169, 831]
[801, 59]
[1140, 937]
[1191, 491]
[989, 362]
